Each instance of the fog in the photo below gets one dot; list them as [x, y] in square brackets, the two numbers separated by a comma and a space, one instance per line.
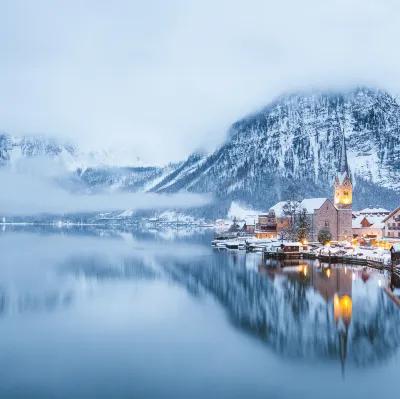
[166, 77]
[24, 194]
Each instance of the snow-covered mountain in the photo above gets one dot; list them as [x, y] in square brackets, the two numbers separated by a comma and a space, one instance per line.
[293, 144]
[92, 170]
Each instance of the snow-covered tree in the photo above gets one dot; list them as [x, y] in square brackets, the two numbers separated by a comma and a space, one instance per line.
[324, 235]
[302, 225]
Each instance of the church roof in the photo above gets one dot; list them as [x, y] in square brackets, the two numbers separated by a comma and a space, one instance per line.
[341, 176]
[312, 203]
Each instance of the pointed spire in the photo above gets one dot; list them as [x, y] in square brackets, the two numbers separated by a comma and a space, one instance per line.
[343, 166]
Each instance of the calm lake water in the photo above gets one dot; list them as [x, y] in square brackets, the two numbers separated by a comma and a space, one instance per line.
[89, 313]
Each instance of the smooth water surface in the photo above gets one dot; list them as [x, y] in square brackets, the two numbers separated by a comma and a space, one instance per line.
[89, 313]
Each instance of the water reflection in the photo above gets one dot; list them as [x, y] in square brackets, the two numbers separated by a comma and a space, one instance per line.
[312, 312]
[292, 308]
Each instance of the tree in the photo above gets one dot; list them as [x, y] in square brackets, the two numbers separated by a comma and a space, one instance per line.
[302, 225]
[234, 227]
[290, 210]
[324, 235]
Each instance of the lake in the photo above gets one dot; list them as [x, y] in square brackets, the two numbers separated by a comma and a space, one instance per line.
[97, 313]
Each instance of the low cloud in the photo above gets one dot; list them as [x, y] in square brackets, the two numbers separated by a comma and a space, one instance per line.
[164, 77]
[23, 194]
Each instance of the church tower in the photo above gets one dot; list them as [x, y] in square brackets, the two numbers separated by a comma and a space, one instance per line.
[343, 197]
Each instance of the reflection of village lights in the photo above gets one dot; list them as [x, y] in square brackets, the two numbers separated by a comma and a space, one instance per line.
[305, 270]
[328, 273]
[336, 300]
[345, 270]
[354, 276]
[380, 283]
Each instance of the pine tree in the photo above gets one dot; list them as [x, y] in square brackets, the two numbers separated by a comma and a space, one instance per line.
[324, 235]
[302, 225]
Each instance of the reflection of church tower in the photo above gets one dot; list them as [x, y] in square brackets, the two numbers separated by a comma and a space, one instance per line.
[342, 313]
[343, 196]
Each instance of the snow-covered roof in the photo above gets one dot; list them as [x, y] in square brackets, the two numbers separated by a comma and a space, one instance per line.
[311, 204]
[278, 209]
[372, 211]
[250, 221]
[375, 221]
[392, 214]
[356, 223]
[240, 212]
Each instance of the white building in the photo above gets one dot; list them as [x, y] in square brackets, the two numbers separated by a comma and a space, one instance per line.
[367, 226]
[392, 224]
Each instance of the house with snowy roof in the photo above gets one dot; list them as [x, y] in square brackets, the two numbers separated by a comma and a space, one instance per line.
[322, 213]
[368, 226]
[375, 212]
[392, 224]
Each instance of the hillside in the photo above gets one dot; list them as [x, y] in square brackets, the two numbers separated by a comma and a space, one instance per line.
[293, 145]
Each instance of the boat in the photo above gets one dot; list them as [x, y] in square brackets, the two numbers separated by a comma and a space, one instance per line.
[235, 244]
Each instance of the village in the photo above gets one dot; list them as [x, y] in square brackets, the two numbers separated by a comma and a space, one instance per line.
[318, 228]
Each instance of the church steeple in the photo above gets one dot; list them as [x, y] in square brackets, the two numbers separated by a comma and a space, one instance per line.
[343, 166]
[343, 196]
[343, 186]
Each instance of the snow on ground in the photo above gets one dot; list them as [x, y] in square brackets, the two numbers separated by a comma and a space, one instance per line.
[127, 214]
[241, 212]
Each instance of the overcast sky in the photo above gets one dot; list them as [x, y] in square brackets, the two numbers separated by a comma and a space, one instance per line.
[169, 76]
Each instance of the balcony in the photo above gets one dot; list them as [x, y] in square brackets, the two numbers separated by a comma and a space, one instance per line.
[269, 227]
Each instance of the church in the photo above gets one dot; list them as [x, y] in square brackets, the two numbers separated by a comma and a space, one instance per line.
[336, 217]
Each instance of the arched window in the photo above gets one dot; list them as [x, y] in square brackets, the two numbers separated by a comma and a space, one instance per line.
[345, 192]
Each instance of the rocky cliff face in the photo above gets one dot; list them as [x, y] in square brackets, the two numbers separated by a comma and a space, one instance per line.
[294, 144]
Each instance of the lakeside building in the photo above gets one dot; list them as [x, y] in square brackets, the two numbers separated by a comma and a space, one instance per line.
[322, 213]
[392, 224]
[366, 226]
[378, 212]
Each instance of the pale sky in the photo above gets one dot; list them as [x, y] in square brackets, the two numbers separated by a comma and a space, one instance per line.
[166, 77]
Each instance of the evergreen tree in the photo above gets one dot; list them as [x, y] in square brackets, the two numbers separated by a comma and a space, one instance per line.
[324, 235]
[290, 210]
[302, 225]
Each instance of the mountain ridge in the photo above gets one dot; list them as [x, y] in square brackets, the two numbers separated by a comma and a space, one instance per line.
[289, 147]
[294, 143]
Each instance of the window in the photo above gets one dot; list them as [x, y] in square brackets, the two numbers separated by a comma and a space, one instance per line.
[327, 223]
[345, 192]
